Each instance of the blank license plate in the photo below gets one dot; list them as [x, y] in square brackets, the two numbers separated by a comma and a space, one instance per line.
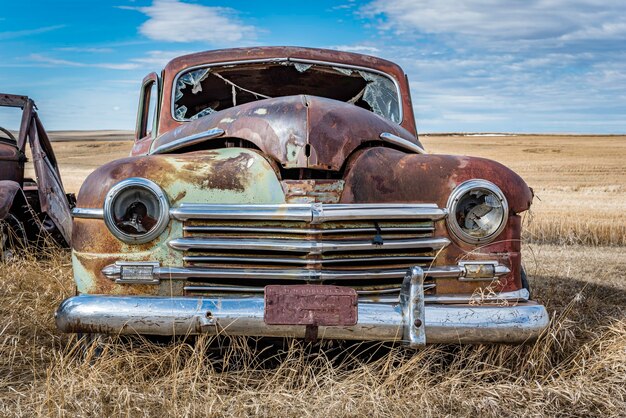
[310, 305]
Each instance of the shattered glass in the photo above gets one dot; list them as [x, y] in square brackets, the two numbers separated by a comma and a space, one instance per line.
[180, 112]
[193, 79]
[381, 94]
[344, 71]
[302, 67]
[204, 112]
[375, 92]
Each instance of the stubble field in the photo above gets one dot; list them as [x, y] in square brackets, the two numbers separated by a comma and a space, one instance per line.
[574, 253]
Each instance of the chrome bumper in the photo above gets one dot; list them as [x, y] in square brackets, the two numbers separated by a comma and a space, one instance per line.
[410, 320]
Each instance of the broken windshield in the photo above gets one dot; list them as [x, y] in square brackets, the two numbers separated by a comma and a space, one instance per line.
[203, 91]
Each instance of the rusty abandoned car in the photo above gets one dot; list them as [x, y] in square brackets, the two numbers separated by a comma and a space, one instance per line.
[283, 192]
[32, 213]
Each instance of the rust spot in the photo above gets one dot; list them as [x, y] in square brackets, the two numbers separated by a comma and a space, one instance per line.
[312, 191]
[92, 235]
[329, 129]
[103, 285]
[158, 168]
[179, 197]
[311, 305]
[228, 174]
[425, 178]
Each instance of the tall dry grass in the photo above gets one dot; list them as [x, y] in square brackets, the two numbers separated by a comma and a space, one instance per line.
[568, 230]
[579, 182]
[578, 368]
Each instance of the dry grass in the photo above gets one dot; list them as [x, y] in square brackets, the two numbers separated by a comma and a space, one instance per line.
[579, 182]
[578, 368]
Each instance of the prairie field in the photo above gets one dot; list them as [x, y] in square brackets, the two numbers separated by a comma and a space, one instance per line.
[579, 182]
[575, 255]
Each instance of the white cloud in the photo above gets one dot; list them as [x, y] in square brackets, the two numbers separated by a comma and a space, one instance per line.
[365, 49]
[67, 63]
[117, 66]
[176, 21]
[55, 61]
[603, 30]
[520, 65]
[158, 59]
[87, 50]
[497, 20]
[154, 60]
[28, 32]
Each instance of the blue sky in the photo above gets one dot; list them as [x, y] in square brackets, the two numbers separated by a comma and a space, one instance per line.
[474, 66]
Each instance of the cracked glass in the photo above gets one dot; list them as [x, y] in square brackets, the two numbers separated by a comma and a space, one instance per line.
[203, 91]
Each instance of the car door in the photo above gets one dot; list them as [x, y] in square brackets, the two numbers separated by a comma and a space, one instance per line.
[52, 196]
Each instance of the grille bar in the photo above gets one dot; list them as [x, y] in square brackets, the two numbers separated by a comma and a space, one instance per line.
[211, 288]
[312, 213]
[296, 274]
[302, 246]
[365, 246]
[197, 259]
[273, 230]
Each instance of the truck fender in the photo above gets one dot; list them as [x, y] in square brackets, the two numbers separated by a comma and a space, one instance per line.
[8, 192]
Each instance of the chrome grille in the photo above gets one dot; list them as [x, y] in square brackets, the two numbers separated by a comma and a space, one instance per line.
[244, 247]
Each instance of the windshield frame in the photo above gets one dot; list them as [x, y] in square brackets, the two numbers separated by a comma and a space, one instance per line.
[295, 60]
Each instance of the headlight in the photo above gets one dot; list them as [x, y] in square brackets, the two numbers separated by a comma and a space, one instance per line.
[136, 210]
[477, 211]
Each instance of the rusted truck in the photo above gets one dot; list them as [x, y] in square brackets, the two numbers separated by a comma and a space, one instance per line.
[32, 213]
[283, 192]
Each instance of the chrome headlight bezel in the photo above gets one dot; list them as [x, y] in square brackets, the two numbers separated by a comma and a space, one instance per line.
[455, 197]
[162, 217]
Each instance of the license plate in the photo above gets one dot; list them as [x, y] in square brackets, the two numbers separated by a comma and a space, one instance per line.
[321, 305]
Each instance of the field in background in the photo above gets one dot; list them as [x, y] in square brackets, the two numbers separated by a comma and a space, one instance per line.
[578, 368]
[579, 181]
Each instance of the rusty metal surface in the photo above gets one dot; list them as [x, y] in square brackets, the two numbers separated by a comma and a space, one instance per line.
[11, 162]
[231, 175]
[143, 141]
[296, 131]
[27, 119]
[13, 100]
[385, 175]
[317, 305]
[312, 191]
[8, 190]
[51, 198]
[8, 153]
[223, 176]
[167, 122]
[192, 177]
[380, 174]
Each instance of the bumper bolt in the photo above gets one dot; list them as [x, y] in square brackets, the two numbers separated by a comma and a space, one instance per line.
[417, 323]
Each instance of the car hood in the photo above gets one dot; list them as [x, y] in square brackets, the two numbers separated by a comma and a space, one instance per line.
[296, 131]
